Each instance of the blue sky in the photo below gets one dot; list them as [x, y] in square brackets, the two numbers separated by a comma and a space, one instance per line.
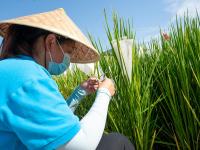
[148, 15]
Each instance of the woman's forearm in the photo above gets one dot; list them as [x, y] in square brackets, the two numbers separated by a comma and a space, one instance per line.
[92, 124]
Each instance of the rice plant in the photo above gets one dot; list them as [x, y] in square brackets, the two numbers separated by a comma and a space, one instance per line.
[177, 79]
[131, 110]
[158, 106]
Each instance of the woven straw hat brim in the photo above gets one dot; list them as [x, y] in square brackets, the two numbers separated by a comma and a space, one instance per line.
[58, 22]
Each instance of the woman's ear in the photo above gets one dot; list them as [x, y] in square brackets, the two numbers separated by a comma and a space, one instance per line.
[50, 42]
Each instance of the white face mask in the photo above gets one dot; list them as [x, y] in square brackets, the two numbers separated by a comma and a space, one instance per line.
[58, 68]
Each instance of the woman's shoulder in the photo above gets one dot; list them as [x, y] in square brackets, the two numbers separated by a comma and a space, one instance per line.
[18, 71]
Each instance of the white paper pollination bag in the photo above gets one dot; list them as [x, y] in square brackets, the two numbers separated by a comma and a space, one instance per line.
[125, 52]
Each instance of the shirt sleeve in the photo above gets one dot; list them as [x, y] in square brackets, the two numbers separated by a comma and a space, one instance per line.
[75, 98]
[39, 116]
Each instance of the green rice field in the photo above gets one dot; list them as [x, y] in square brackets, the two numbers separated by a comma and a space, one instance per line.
[158, 106]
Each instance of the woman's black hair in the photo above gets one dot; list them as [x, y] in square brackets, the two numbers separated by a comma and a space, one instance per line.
[20, 39]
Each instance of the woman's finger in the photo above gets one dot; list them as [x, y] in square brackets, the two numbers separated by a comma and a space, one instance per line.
[93, 78]
[96, 86]
[93, 82]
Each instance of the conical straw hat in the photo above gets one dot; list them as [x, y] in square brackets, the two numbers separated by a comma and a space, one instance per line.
[58, 22]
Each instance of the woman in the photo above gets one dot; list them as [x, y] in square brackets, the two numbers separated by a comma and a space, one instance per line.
[33, 113]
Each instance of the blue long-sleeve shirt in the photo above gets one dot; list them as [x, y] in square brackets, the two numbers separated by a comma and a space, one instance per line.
[33, 113]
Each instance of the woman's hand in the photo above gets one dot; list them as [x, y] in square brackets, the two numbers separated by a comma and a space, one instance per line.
[90, 85]
[109, 84]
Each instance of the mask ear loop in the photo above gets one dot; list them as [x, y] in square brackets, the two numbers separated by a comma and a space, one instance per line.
[50, 56]
[60, 47]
